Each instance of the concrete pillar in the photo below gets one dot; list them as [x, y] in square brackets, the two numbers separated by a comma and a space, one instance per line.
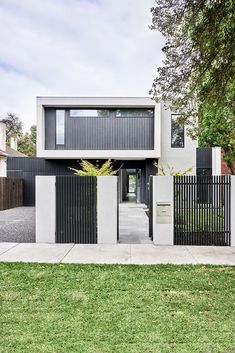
[232, 210]
[107, 204]
[45, 209]
[216, 161]
[163, 210]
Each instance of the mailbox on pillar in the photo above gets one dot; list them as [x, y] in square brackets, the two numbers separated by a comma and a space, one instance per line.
[164, 212]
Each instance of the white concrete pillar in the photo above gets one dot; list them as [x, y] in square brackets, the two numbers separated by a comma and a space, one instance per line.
[232, 210]
[216, 161]
[107, 209]
[2, 136]
[45, 209]
[163, 210]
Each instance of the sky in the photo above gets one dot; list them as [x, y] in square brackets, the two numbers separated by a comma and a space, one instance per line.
[74, 48]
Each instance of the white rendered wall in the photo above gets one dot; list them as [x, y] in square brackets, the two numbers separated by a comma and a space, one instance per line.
[45, 209]
[163, 193]
[216, 161]
[107, 209]
[232, 210]
[2, 137]
[3, 166]
[179, 158]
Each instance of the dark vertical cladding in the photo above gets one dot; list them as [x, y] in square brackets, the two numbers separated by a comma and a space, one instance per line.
[202, 210]
[76, 209]
[100, 133]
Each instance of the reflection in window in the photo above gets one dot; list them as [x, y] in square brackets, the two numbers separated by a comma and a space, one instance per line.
[177, 132]
[79, 113]
[135, 113]
[60, 122]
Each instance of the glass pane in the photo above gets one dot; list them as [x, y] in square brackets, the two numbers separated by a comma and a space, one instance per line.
[177, 133]
[77, 113]
[60, 122]
[134, 113]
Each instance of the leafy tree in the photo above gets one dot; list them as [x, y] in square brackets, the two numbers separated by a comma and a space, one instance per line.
[197, 76]
[13, 126]
[89, 169]
[161, 170]
[26, 142]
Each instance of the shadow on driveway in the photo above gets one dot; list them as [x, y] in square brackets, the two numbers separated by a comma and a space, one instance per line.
[18, 225]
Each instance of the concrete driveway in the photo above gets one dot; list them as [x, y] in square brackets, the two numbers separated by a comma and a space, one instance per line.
[17, 225]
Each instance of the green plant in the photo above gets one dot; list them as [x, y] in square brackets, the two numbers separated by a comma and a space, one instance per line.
[89, 169]
[161, 170]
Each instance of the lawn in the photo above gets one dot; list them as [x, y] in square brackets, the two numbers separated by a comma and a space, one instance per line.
[122, 309]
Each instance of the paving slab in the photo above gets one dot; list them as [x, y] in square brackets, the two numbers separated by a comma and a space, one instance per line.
[152, 254]
[6, 246]
[28, 252]
[99, 254]
[219, 255]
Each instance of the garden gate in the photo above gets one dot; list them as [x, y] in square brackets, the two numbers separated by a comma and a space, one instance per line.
[76, 209]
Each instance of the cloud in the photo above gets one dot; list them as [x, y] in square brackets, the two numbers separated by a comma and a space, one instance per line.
[74, 47]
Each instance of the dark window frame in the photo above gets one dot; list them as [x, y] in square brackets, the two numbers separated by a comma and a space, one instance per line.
[183, 139]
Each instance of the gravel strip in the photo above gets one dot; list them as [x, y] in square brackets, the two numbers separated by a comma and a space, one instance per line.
[17, 225]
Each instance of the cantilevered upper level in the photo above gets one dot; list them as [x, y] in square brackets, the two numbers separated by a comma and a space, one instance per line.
[98, 127]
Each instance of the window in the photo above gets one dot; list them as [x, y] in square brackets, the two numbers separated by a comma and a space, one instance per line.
[80, 113]
[135, 113]
[60, 122]
[177, 132]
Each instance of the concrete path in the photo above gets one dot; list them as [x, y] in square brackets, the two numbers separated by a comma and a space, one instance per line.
[133, 224]
[116, 254]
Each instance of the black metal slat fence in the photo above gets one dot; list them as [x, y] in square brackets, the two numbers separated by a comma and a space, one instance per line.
[202, 210]
[76, 209]
[151, 207]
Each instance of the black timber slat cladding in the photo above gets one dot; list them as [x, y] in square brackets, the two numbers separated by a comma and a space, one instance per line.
[151, 207]
[100, 133]
[76, 209]
[202, 210]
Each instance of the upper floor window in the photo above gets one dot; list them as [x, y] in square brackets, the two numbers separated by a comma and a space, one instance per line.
[80, 113]
[60, 124]
[134, 113]
[112, 112]
[177, 132]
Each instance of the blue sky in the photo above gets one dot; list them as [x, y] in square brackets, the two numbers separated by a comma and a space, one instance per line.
[74, 47]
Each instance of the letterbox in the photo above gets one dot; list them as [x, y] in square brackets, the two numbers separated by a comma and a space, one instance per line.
[164, 212]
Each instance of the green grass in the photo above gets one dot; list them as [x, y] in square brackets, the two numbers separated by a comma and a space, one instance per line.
[121, 309]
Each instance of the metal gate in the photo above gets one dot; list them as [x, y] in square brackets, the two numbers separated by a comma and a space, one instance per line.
[76, 209]
[202, 210]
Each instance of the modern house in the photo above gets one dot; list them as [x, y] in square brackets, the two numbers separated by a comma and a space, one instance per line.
[134, 132]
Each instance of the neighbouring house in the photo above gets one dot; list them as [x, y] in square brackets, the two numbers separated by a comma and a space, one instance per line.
[7, 151]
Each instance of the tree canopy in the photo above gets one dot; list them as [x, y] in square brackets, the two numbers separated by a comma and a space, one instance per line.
[197, 75]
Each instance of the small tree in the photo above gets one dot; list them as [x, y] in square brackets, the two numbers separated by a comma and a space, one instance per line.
[13, 126]
[171, 171]
[89, 169]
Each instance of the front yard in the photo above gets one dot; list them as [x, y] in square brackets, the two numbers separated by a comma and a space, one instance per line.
[121, 309]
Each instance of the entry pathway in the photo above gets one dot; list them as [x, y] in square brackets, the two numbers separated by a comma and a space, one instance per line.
[133, 224]
[116, 254]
